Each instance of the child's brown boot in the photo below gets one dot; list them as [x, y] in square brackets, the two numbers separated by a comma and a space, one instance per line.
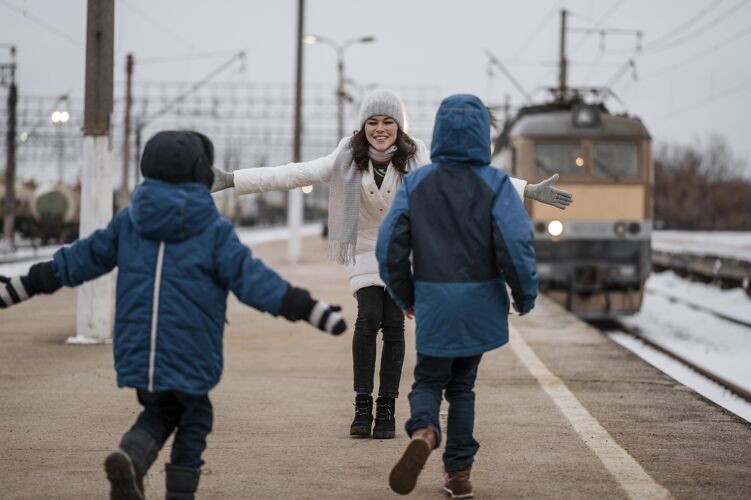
[458, 484]
[404, 474]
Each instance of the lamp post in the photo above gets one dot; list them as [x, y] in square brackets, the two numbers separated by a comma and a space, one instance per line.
[341, 94]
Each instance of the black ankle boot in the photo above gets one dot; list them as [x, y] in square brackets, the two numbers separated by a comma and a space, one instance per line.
[182, 482]
[127, 465]
[385, 426]
[363, 416]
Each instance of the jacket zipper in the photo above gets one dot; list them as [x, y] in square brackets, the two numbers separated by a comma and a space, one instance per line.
[155, 314]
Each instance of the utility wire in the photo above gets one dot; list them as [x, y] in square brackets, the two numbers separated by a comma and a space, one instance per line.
[41, 22]
[696, 33]
[709, 100]
[696, 17]
[534, 33]
[162, 28]
[613, 8]
[693, 58]
[185, 57]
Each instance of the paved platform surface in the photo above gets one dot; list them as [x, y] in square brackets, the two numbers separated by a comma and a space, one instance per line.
[562, 412]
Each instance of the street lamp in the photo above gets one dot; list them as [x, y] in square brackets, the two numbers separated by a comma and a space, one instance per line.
[59, 118]
[341, 94]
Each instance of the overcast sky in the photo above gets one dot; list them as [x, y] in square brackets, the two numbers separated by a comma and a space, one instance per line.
[693, 76]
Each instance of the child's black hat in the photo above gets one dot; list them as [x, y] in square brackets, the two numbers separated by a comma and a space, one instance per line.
[179, 156]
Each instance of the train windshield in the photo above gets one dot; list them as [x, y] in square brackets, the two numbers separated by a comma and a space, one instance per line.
[559, 158]
[615, 159]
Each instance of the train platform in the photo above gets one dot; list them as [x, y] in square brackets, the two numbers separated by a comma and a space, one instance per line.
[562, 412]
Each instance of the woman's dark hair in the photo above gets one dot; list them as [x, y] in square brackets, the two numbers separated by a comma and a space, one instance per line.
[405, 150]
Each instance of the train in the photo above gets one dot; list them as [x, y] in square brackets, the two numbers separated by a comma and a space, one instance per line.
[594, 257]
[50, 213]
[46, 213]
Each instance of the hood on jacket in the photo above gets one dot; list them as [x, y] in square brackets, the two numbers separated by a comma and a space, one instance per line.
[462, 131]
[171, 212]
[179, 156]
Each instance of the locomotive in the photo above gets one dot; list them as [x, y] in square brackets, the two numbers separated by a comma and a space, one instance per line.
[594, 257]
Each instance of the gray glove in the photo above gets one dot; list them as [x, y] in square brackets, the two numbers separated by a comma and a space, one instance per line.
[544, 192]
[222, 180]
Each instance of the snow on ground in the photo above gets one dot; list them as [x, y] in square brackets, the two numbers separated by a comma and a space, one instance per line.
[734, 303]
[720, 243]
[685, 375]
[714, 344]
[248, 235]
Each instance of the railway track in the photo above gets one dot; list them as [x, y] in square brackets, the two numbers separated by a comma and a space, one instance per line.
[731, 386]
[700, 307]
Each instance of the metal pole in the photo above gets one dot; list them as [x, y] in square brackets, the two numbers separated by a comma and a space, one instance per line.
[340, 94]
[137, 169]
[124, 191]
[294, 198]
[94, 316]
[562, 59]
[60, 153]
[10, 166]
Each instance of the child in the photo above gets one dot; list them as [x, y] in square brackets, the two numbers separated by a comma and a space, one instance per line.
[469, 236]
[177, 258]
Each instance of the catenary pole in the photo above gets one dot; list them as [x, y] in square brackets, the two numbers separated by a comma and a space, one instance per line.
[562, 63]
[94, 314]
[9, 208]
[124, 189]
[294, 198]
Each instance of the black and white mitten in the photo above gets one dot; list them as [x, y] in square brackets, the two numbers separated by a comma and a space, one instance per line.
[298, 304]
[13, 290]
[41, 279]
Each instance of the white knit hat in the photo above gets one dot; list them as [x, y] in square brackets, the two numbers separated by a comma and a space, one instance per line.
[382, 102]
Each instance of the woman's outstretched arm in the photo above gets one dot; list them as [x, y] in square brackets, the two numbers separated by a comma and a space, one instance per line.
[279, 178]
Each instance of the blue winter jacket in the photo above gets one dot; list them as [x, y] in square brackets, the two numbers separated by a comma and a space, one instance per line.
[468, 234]
[176, 257]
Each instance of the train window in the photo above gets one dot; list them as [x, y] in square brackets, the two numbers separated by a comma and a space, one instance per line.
[615, 159]
[559, 157]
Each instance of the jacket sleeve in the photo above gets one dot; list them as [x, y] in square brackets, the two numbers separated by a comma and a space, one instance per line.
[519, 185]
[393, 250]
[90, 257]
[422, 156]
[512, 239]
[252, 282]
[286, 177]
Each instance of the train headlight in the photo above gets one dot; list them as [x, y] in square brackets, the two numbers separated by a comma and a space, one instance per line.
[555, 228]
[619, 228]
[634, 228]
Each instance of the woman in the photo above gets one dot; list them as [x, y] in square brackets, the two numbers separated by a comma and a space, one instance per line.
[365, 172]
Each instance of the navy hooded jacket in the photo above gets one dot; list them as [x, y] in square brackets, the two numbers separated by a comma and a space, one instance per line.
[468, 234]
[177, 257]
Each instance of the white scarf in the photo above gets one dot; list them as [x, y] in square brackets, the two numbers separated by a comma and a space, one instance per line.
[344, 202]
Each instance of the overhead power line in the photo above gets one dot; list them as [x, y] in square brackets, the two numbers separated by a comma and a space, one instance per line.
[694, 57]
[42, 23]
[709, 100]
[696, 17]
[164, 29]
[703, 29]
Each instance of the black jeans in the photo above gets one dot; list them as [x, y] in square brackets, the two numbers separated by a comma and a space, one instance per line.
[455, 376]
[376, 310]
[190, 416]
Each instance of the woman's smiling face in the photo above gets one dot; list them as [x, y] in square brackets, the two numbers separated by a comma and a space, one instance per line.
[381, 131]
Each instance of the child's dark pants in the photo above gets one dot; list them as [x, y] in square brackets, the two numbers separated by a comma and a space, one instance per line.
[455, 376]
[188, 415]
